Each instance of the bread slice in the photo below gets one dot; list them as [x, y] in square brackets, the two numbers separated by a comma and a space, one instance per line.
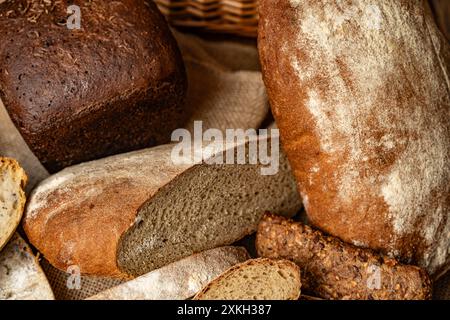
[21, 277]
[257, 279]
[12, 197]
[127, 215]
[179, 280]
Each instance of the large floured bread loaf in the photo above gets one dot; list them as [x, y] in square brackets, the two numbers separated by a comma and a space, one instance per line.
[114, 85]
[129, 214]
[360, 92]
[12, 197]
[256, 279]
[180, 280]
[21, 277]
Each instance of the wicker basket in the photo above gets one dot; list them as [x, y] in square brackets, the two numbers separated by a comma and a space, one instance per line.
[238, 17]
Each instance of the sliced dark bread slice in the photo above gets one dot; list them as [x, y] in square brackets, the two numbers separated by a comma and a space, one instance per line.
[180, 280]
[12, 197]
[257, 279]
[127, 215]
[21, 277]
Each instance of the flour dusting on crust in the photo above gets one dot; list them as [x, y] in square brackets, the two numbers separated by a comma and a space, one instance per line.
[21, 277]
[347, 79]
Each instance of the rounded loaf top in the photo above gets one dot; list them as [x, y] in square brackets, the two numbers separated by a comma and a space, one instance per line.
[360, 92]
[88, 79]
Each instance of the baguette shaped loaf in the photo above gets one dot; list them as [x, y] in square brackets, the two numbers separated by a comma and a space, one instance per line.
[179, 280]
[360, 92]
[115, 84]
[129, 214]
[21, 277]
[12, 197]
[332, 269]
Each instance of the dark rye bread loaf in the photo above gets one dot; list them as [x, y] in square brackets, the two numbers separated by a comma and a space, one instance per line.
[115, 85]
[360, 92]
[332, 269]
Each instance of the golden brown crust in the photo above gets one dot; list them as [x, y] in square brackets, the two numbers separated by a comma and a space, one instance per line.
[332, 269]
[364, 119]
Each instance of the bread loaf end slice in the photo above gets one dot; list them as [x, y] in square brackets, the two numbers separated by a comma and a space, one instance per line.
[257, 279]
[21, 277]
[12, 197]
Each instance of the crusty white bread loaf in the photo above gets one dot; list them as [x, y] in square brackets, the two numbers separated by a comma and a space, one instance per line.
[257, 279]
[179, 280]
[12, 197]
[21, 277]
[127, 215]
[360, 92]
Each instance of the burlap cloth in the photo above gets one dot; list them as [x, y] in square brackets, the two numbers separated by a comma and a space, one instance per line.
[225, 91]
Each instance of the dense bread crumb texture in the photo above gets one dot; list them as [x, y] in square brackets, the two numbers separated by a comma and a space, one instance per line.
[21, 277]
[209, 206]
[257, 279]
[360, 92]
[129, 214]
[332, 269]
[12, 197]
[180, 280]
[115, 85]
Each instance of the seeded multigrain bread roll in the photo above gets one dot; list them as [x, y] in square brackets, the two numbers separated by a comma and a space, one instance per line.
[114, 85]
[21, 277]
[360, 92]
[129, 214]
[332, 269]
[257, 279]
[12, 197]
